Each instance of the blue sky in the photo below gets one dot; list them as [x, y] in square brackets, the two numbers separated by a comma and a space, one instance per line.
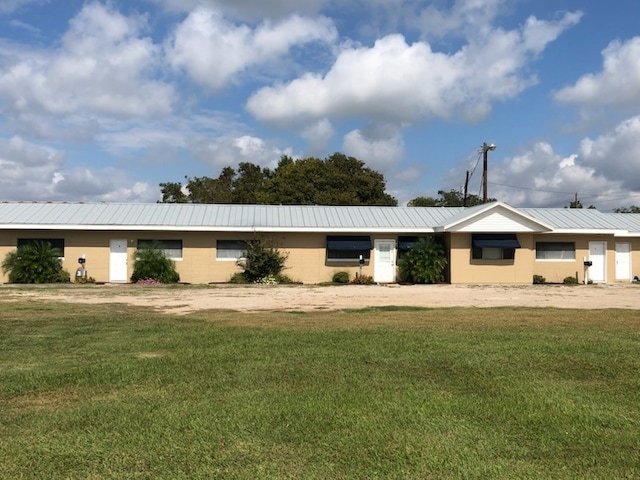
[103, 100]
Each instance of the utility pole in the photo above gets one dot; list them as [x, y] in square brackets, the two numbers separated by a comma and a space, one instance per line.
[466, 190]
[485, 149]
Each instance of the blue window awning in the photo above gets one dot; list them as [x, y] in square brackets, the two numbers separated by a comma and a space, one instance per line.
[349, 242]
[494, 240]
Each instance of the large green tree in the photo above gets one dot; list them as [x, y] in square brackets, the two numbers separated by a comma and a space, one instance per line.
[631, 209]
[336, 180]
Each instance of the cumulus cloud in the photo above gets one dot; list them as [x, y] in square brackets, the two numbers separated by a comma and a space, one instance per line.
[398, 82]
[231, 150]
[102, 67]
[379, 145]
[250, 10]
[464, 17]
[35, 172]
[214, 50]
[616, 84]
[542, 177]
[616, 154]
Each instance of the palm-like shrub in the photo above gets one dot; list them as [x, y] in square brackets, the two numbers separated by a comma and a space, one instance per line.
[36, 262]
[262, 259]
[424, 262]
[152, 264]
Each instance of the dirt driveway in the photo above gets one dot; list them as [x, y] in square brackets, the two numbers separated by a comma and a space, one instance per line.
[186, 299]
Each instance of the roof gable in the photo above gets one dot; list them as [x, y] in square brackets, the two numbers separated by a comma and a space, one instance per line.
[494, 217]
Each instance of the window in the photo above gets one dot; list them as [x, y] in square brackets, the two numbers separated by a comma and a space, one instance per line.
[57, 243]
[230, 249]
[171, 248]
[555, 251]
[494, 246]
[348, 248]
[405, 243]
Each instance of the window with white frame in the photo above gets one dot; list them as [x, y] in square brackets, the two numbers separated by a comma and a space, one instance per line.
[348, 248]
[171, 248]
[230, 249]
[556, 251]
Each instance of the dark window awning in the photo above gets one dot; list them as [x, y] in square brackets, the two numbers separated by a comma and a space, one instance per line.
[349, 242]
[494, 240]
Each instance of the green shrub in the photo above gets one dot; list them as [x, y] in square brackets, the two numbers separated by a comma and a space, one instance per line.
[340, 277]
[152, 264]
[570, 281]
[539, 280]
[285, 279]
[238, 277]
[362, 280]
[262, 259]
[424, 262]
[36, 262]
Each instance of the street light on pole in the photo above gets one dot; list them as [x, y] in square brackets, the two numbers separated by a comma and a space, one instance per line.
[485, 149]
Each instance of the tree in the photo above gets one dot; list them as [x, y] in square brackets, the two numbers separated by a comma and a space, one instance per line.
[452, 198]
[424, 262]
[36, 262]
[631, 209]
[423, 202]
[337, 180]
[152, 264]
[262, 259]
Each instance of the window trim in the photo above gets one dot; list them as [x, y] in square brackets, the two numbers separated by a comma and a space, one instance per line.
[230, 259]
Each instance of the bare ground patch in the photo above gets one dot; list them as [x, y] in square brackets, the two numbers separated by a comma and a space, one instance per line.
[186, 299]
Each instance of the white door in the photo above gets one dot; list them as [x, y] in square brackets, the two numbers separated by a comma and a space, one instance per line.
[597, 255]
[118, 261]
[623, 261]
[384, 267]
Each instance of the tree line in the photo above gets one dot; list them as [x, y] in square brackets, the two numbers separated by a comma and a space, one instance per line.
[336, 180]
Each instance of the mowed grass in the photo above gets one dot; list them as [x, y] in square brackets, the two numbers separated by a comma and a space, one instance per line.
[113, 391]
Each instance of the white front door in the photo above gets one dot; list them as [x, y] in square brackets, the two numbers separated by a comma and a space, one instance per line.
[384, 267]
[623, 261]
[118, 261]
[597, 255]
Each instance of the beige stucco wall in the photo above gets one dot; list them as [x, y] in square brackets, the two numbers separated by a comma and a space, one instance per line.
[307, 256]
[465, 270]
[305, 262]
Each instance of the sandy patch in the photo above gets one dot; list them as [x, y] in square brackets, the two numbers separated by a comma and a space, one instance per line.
[324, 298]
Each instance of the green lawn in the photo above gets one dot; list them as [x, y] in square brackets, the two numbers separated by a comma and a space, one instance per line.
[112, 391]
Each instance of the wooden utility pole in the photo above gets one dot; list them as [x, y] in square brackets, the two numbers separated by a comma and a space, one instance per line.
[466, 190]
[485, 149]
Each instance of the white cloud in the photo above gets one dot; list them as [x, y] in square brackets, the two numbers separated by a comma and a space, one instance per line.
[249, 10]
[617, 83]
[465, 17]
[380, 146]
[546, 179]
[101, 68]
[395, 81]
[616, 154]
[231, 150]
[214, 50]
[318, 135]
[35, 172]
[9, 6]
